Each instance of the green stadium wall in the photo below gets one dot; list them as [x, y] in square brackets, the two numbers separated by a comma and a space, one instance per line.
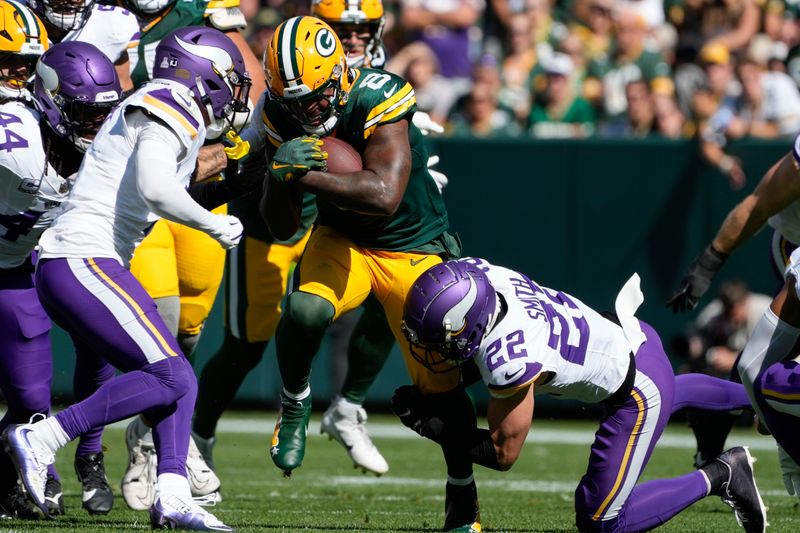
[580, 216]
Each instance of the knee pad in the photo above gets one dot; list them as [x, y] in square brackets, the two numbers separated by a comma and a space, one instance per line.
[309, 310]
[175, 374]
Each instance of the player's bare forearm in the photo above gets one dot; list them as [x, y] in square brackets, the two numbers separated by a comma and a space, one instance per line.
[280, 207]
[509, 422]
[211, 161]
[379, 188]
[779, 187]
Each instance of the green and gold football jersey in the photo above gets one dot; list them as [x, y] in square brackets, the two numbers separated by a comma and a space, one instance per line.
[376, 98]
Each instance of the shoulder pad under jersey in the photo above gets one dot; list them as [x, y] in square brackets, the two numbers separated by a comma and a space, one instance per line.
[174, 105]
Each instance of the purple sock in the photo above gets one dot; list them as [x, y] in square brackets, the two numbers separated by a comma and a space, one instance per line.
[654, 502]
[706, 392]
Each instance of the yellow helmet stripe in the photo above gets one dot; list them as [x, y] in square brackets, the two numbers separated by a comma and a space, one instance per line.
[287, 62]
[31, 27]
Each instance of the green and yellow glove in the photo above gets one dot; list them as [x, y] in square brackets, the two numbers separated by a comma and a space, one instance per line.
[293, 159]
[235, 147]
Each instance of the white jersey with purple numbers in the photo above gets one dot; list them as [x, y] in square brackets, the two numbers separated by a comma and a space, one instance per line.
[105, 215]
[549, 331]
[111, 29]
[787, 222]
[30, 193]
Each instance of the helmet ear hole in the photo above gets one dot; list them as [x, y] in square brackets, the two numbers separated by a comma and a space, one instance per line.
[450, 307]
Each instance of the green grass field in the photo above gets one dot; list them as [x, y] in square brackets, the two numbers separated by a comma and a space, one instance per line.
[327, 494]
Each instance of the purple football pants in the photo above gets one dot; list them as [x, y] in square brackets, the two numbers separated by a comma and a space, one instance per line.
[608, 498]
[700, 391]
[110, 316]
[26, 361]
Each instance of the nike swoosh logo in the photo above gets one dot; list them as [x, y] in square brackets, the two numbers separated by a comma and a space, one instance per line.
[88, 494]
[415, 262]
[276, 166]
[513, 375]
[390, 92]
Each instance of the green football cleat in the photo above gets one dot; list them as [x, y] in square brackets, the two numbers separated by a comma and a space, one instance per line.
[289, 440]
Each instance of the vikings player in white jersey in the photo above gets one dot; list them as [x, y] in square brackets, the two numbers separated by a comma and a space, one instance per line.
[137, 169]
[26, 363]
[527, 339]
[76, 86]
[112, 29]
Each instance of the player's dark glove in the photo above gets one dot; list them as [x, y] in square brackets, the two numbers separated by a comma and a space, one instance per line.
[697, 279]
[293, 159]
[415, 412]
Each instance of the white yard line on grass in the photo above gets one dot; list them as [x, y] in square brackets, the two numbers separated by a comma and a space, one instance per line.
[538, 435]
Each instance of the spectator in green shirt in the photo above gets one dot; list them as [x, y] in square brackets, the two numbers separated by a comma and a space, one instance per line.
[561, 113]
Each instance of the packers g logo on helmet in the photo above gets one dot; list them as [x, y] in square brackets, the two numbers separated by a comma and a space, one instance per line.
[305, 63]
[325, 42]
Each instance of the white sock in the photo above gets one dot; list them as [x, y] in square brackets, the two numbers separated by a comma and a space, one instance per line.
[174, 485]
[297, 397]
[708, 482]
[50, 433]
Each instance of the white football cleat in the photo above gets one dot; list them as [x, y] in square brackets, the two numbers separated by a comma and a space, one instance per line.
[139, 481]
[173, 512]
[203, 482]
[31, 459]
[346, 422]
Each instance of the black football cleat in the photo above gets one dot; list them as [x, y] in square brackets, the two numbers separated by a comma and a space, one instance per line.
[739, 490]
[53, 496]
[96, 494]
[14, 505]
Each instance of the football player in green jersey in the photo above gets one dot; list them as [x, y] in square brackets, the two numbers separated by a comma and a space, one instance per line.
[258, 274]
[377, 230]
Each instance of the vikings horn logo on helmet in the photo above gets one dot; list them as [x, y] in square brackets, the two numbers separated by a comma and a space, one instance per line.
[458, 313]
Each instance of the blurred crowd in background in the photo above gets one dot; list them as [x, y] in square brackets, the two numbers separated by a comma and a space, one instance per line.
[714, 70]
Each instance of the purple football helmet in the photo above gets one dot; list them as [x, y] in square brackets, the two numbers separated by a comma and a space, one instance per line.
[69, 15]
[76, 87]
[208, 62]
[447, 313]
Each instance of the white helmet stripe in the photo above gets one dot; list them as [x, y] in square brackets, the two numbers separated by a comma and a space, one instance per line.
[458, 313]
[30, 20]
[220, 59]
[287, 48]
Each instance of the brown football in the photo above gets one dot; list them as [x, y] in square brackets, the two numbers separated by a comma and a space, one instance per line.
[342, 158]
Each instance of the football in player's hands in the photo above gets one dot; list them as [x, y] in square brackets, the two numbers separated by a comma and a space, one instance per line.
[342, 158]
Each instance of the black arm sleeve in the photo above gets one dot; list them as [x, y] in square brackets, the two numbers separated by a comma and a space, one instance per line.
[240, 180]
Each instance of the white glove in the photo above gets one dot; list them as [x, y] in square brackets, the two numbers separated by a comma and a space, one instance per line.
[226, 230]
[790, 471]
[425, 123]
[439, 177]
